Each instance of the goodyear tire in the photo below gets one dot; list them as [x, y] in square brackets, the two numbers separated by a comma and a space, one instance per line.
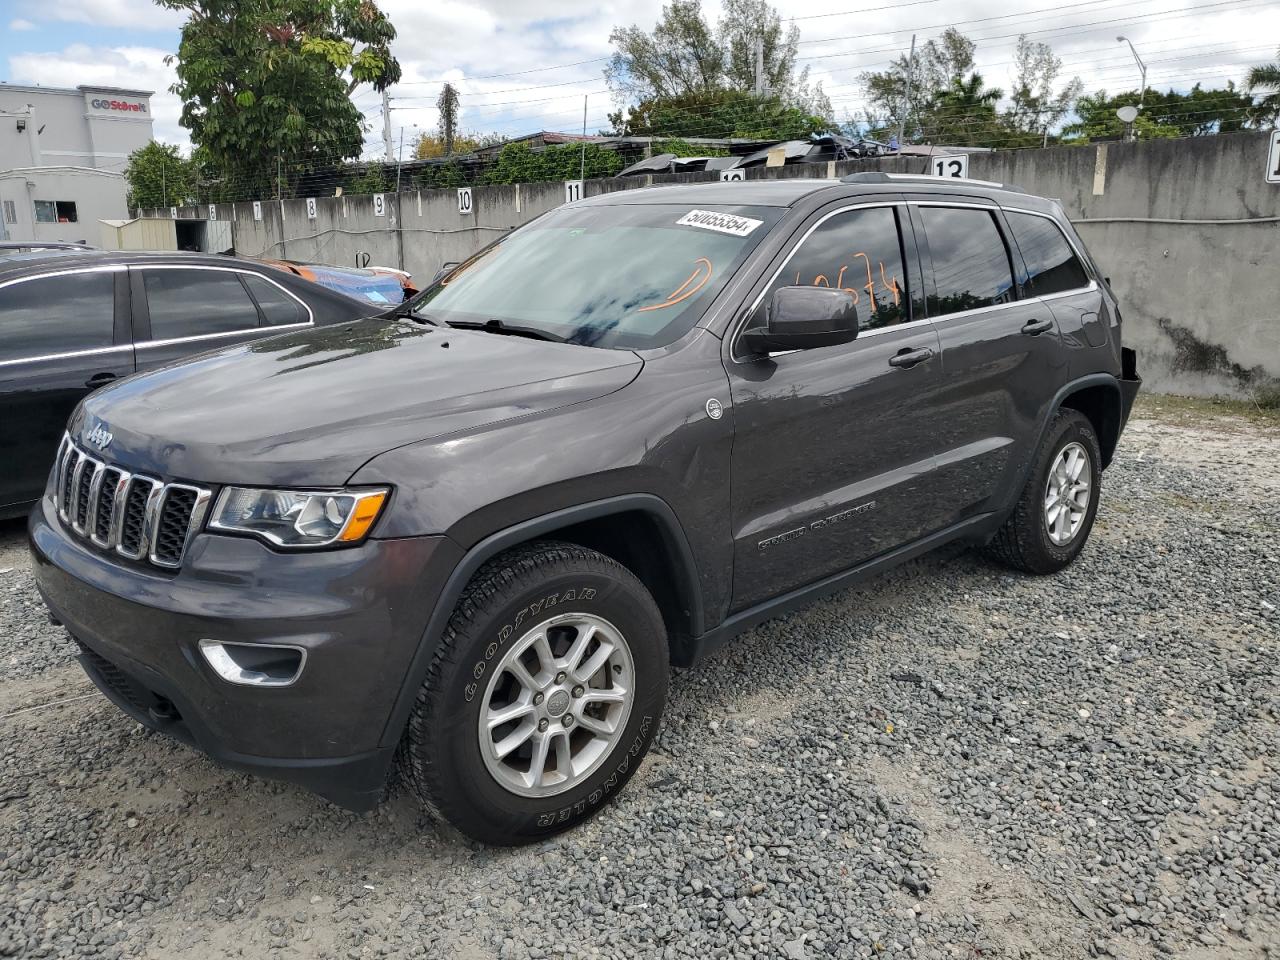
[543, 698]
[1055, 511]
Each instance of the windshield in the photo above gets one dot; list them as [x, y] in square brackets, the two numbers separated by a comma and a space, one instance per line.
[626, 276]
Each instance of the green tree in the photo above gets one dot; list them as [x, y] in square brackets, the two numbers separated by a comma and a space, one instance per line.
[1262, 78]
[159, 176]
[938, 64]
[520, 163]
[447, 104]
[1037, 106]
[266, 84]
[963, 113]
[685, 66]
[1196, 113]
[718, 113]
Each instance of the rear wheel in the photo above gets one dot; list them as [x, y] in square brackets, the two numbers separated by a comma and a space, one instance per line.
[544, 696]
[1054, 514]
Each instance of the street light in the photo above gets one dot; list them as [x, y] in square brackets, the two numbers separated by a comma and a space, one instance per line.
[1142, 93]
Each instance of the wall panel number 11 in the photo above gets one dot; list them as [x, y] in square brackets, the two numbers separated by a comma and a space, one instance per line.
[957, 166]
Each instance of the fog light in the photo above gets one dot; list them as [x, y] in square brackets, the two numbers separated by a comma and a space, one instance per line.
[255, 664]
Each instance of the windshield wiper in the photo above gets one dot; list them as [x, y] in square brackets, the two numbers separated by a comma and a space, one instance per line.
[495, 325]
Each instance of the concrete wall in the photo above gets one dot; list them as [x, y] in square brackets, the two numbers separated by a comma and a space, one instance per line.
[1187, 230]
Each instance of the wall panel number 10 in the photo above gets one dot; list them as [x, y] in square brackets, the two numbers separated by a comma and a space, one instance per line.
[957, 166]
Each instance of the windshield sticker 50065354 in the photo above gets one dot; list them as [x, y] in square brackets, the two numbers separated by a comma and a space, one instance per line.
[719, 222]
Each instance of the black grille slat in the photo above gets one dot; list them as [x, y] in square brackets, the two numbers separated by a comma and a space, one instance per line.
[82, 495]
[106, 503]
[68, 480]
[175, 518]
[114, 678]
[135, 517]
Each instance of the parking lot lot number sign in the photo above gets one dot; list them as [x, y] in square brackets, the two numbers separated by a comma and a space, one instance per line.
[379, 205]
[572, 190]
[732, 176]
[1273, 158]
[173, 213]
[257, 209]
[311, 208]
[213, 211]
[464, 200]
[957, 166]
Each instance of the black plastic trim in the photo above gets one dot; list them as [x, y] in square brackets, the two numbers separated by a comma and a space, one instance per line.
[686, 581]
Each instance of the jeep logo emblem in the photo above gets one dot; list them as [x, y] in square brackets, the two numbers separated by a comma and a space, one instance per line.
[99, 437]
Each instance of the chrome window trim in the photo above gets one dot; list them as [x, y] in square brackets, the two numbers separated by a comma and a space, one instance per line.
[1084, 261]
[168, 341]
[755, 304]
[69, 272]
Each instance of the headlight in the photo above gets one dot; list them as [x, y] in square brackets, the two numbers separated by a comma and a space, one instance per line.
[299, 518]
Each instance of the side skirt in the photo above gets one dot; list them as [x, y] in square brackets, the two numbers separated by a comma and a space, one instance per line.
[977, 528]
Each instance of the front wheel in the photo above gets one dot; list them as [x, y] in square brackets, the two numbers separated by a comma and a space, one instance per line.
[546, 692]
[1055, 511]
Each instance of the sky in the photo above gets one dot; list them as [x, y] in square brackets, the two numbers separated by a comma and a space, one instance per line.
[526, 65]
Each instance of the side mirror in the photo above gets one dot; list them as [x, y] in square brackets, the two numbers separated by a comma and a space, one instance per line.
[800, 318]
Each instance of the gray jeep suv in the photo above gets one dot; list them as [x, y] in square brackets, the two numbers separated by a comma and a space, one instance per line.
[471, 536]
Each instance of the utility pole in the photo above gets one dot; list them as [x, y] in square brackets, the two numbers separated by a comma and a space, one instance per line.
[582, 166]
[759, 85]
[906, 107]
[386, 127]
[164, 186]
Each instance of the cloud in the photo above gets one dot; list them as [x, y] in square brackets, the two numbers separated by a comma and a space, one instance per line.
[136, 68]
[130, 14]
[19, 25]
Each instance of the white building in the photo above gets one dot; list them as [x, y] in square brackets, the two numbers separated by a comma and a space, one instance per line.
[62, 157]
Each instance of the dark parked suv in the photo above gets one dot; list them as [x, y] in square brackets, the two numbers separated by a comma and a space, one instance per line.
[476, 532]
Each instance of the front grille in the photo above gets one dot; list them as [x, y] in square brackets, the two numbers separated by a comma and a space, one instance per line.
[133, 515]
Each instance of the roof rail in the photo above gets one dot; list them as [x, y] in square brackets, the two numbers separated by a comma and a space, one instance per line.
[878, 177]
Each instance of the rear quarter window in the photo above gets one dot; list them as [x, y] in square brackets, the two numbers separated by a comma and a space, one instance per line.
[1052, 265]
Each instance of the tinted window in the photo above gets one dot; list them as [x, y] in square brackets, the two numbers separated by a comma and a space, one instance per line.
[188, 303]
[57, 315]
[1052, 265]
[859, 251]
[970, 263]
[278, 308]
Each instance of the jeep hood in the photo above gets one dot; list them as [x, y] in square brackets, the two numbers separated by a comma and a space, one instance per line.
[312, 407]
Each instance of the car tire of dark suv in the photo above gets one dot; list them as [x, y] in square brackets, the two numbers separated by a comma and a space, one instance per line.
[543, 698]
[1054, 514]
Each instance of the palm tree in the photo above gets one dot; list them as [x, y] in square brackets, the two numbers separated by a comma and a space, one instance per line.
[1266, 76]
[964, 113]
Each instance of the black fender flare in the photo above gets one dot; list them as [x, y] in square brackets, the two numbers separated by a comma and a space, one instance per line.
[1074, 386]
[685, 575]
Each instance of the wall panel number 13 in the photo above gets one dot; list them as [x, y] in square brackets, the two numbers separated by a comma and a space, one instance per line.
[957, 166]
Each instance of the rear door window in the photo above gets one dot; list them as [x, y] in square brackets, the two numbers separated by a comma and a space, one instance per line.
[278, 308]
[192, 303]
[855, 250]
[62, 314]
[1052, 266]
[970, 262]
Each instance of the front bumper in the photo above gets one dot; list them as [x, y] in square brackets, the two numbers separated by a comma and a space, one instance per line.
[359, 613]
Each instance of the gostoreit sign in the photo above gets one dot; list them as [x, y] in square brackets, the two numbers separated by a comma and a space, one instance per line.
[121, 105]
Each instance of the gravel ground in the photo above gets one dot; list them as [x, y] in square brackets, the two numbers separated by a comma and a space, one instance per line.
[950, 762]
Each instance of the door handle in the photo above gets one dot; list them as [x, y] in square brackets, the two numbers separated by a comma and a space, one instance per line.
[100, 380]
[909, 358]
[1033, 327]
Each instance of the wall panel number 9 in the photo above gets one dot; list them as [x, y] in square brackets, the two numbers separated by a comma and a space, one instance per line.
[379, 205]
[572, 190]
[464, 200]
[951, 166]
[1273, 158]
